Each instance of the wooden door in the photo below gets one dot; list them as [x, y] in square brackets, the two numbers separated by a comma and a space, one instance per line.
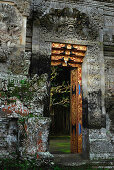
[76, 111]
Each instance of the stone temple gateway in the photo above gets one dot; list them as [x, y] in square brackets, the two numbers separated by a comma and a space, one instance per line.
[28, 31]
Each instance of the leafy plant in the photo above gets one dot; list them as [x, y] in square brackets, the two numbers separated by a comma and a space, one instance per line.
[24, 91]
[60, 88]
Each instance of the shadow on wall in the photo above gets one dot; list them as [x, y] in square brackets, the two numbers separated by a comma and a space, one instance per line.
[40, 65]
[85, 112]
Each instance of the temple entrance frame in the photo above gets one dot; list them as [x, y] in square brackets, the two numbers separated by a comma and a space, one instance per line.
[68, 55]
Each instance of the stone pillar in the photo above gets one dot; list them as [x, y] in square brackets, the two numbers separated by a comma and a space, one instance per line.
[34, 144]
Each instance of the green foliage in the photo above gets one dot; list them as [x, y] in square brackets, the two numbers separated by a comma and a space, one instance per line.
[24, 92]
[22, 120]
[60, 144]
[16, 164]
[60, 87]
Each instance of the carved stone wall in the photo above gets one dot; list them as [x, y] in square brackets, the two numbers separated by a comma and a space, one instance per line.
[14, 62]
[22, 6]
[12, 38]
[80, 22]
[22, 92]
[94, 86]
[11, 27]
[109, 70]
[60, 22]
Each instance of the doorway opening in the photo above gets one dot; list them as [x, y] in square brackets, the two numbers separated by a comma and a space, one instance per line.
[60, 110]
[67, 56]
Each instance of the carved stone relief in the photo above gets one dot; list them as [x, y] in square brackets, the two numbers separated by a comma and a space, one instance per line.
[22, 6]
[109, 81]
[11, 30]
[109, 97]
[4, 53]
[20, 64]
[71, 23]
[66, 22]
[94, 86]
[10, 25]
[96, 17]
[94, 68]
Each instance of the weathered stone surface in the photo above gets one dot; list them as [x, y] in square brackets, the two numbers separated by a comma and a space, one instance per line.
[8, 137]
[10, 25]
[22, 6]
[87, 22]
[4, 54]
[36, 136]
[101, 144]
[20, 62]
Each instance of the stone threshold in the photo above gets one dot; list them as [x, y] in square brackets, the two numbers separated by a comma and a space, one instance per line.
[69, 159]
[77, 160]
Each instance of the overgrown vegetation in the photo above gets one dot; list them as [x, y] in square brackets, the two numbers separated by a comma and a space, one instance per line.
[60, 101]
[60, 87]
[15, 164]
[23, 91]
[60, 144]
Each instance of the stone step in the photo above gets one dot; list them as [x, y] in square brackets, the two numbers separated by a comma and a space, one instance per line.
[69, 159]
[77, 160]
[103, 163]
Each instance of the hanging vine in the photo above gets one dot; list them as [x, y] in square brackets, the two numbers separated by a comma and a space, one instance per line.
[60, 88]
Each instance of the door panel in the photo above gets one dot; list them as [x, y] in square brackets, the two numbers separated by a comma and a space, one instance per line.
[76, 111]
[79, 110]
